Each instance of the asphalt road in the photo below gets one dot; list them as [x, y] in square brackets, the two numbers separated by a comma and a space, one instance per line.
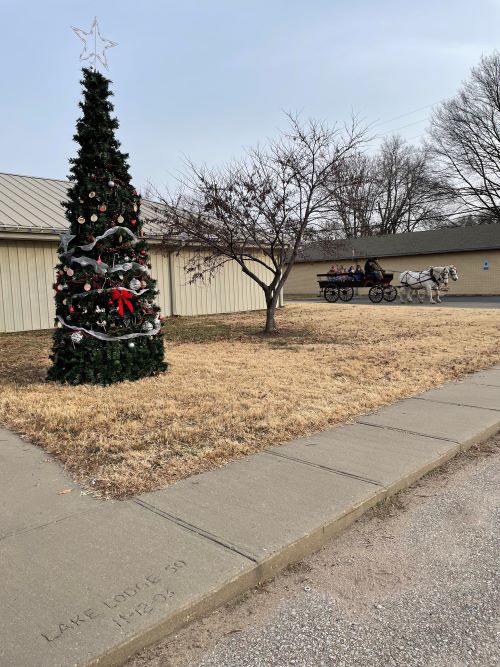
[446, 302]
[414, 583]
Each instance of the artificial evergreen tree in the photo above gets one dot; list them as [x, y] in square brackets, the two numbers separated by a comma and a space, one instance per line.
[108, 327]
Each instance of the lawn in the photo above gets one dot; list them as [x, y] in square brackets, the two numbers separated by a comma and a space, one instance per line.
[231, 391]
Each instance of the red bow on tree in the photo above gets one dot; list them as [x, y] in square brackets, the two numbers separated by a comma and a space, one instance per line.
[123, 297]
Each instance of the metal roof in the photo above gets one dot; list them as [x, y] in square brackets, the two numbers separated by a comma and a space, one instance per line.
[446, 239]
[33, 205]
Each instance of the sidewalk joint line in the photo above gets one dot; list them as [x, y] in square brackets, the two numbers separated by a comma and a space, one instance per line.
[404, 430]
[195, 529]
[30, 529]
[343, 473]
[461, 405]
[483, 384]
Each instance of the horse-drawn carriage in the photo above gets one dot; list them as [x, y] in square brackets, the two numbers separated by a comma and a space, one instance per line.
[342, 286]
[335, 286]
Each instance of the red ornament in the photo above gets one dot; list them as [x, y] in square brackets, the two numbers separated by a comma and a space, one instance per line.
[143, 252]
[71, 309]
[123, 297]
[99, 260]
[133, 222]
[110, 302]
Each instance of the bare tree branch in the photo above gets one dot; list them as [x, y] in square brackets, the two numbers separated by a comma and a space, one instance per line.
[465, 140]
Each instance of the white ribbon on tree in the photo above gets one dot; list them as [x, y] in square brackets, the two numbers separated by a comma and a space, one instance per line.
[103, 336]
[102, 267]
[66, 239]
[102, 290]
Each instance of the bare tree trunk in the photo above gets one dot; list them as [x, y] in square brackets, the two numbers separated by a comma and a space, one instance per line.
[271, 303]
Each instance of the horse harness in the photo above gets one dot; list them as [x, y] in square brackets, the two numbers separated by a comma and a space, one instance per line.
[419, 280]
[433, 277]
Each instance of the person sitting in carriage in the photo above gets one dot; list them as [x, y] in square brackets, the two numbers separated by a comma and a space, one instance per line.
[373, 270]
[358, 273]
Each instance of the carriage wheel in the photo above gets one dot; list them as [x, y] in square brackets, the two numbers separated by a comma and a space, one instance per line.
[331, 294]
[346, 293]
[390, 293]
[376, 294]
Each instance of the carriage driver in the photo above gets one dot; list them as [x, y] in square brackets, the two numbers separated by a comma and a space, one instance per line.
[373, 270]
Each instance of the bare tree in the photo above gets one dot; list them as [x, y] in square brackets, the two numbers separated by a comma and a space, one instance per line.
[257, 211]
[465, 139]
[410, 195]
[393, 191]
[354, 193]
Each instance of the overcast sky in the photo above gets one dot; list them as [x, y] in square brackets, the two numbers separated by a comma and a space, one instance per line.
[205, 79]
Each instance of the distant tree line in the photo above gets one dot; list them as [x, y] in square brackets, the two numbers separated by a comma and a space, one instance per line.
[393, 191]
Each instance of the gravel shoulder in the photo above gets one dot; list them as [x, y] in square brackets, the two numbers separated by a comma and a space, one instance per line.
[415, 582]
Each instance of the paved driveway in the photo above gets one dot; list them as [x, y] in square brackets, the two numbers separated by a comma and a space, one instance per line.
[447, 302]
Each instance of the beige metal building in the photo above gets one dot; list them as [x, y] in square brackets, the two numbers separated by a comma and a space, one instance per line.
[31, 220]
[475, 251]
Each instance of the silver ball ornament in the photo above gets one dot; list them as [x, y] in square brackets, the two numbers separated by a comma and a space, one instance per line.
[76, 337]
[134, 284]
[131, 345]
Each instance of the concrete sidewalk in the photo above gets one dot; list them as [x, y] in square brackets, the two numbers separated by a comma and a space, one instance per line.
[87, 582]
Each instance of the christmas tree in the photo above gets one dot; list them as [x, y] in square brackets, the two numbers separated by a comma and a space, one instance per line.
[108, 327]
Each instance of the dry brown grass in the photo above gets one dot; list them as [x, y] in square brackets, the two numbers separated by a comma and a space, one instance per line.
[231, 391]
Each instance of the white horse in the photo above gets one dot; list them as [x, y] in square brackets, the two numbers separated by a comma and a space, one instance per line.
[429, 280]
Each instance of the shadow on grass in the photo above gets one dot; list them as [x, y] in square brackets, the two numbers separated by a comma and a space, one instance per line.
[24, 356]
[243, 329]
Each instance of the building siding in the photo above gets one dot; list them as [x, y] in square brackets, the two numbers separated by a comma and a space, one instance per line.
[473, 279]
[26, 279]
[229, 291]
[27, 274]
[159, 271]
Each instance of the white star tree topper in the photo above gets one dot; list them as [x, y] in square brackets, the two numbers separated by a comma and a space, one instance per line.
[94, 45]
